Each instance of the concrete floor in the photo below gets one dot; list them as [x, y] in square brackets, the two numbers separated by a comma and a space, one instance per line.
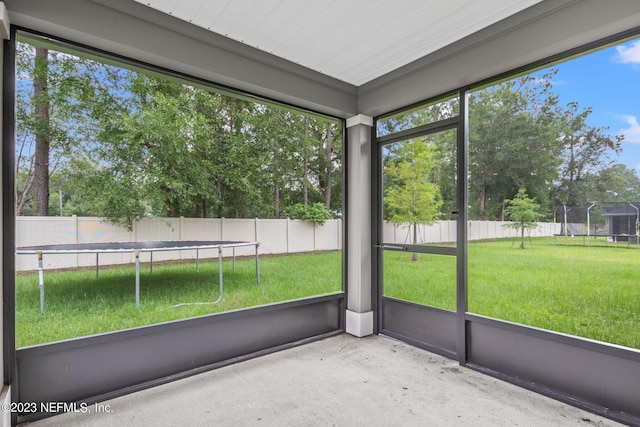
[338, 381]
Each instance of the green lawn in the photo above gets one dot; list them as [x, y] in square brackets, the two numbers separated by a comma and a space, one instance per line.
[592, 292]
[78, 304]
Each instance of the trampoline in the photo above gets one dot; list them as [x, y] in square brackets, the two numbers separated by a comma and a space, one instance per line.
[137, 248]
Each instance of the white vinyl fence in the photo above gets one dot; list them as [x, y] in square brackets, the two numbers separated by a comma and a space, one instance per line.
[445, 231]
[276, 236]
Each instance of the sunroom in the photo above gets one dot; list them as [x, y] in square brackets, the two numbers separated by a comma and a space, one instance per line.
[429, 131]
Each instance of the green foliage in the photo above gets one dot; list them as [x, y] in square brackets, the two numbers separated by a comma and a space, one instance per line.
[421, 115]
[520, 136]
[316, 212]
[154, 145]
[412, 197]
[616, 183]
[166, 147]
[51, 118]
[512, 143]
[586, 149]
[524, 212]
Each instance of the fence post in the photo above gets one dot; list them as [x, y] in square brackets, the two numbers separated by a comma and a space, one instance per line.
[287, 235]
[134, 230]
[74, 219]
[180, 233]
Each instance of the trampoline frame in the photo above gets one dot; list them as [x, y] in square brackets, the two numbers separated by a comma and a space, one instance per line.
[136, 248]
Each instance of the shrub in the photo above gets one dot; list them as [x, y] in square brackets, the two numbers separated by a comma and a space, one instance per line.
[316, 212]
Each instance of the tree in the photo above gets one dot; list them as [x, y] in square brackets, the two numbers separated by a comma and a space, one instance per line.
[424, 114]
[324, 162]
[585, 153]
[512, 143]
[190, 150]
[41, 107]
[445, 175]
[617, 183]
[412, 197]
[278, 133]
[124, 144]
[520, 137]
[329, 164]
[52, 126]
[524, 212]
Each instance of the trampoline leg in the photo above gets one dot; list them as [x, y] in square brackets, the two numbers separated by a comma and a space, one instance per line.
[234, 258]
[197, 260]
[151, 262]
[219, 275]
[137, 254]
[41, 281]
[97, 260]
[257, 266]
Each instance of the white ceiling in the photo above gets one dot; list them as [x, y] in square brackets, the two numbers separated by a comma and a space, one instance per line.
[352, 40]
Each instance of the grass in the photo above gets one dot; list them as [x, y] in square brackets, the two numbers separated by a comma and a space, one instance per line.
[78, 304]
[592, 292]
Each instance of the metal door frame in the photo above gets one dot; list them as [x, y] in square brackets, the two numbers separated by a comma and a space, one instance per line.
[437, 330]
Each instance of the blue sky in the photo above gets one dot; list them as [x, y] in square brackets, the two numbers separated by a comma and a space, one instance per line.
[608, 81]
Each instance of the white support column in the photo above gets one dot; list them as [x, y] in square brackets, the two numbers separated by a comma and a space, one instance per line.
[359, 317]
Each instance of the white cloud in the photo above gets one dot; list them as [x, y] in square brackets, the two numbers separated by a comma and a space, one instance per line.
[629, 54]
[632, 133]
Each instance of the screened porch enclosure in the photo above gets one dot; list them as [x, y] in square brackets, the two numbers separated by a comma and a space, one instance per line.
[439, 131]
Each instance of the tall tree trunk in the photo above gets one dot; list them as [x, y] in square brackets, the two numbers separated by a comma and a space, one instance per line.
[481, 200]
[276, 181]
[305, 166]
[276, 197]
[414, 256]
[572, 169]
[305, 180]
[41, 100]
[329, 181]
[201, 209]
